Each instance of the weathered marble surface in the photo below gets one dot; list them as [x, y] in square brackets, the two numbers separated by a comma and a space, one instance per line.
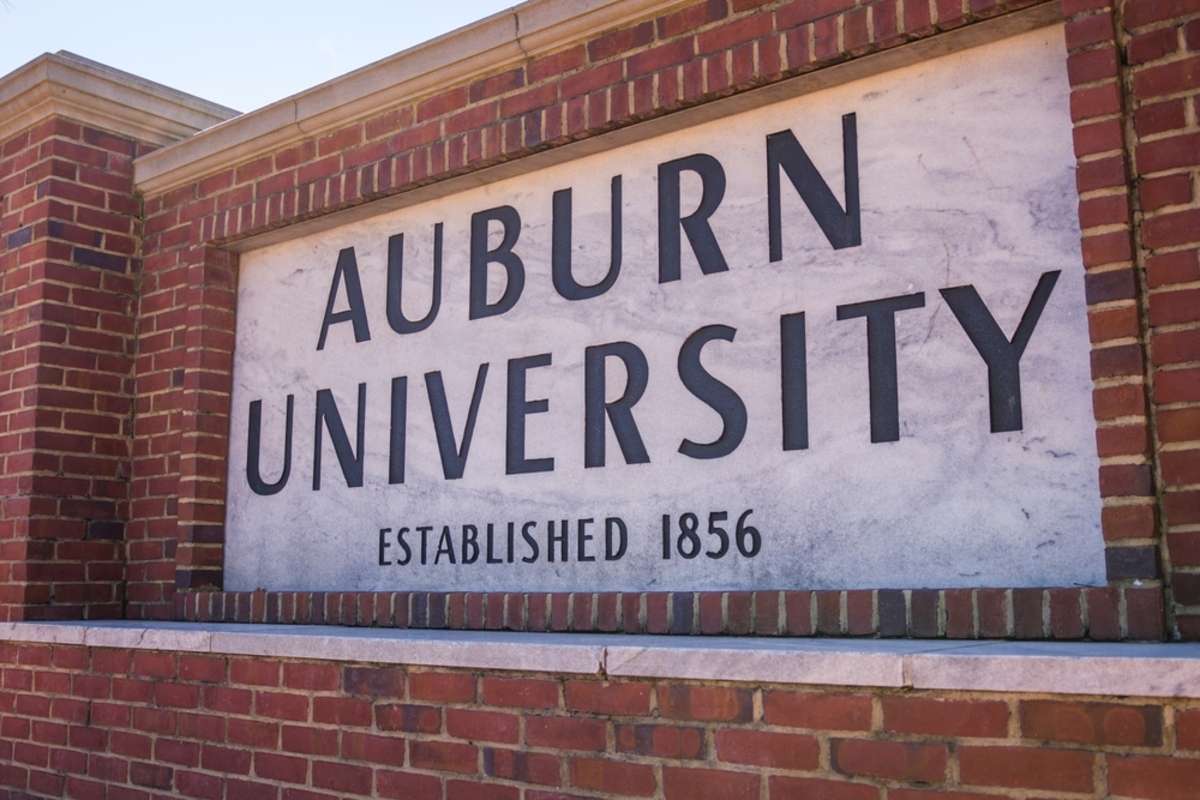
[967, 177]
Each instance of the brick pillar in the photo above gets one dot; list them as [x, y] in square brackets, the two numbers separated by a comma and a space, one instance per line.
[69, 271]
[67, 297]
[1161, 45]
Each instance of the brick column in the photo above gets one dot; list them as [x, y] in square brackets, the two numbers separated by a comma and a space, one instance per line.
[66, 299]
[69, 240]
[1161, 45]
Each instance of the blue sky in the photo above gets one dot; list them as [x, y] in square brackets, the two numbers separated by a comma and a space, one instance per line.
[240, 53]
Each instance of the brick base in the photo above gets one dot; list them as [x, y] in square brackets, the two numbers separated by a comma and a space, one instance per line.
[1098, 613]
[93, 722]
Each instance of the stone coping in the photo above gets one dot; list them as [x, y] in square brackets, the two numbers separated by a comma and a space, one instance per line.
[96, 94]
[487, 45]
[1088, 668]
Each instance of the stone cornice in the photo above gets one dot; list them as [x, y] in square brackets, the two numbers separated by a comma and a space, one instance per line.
[72, 86]
[536, 26]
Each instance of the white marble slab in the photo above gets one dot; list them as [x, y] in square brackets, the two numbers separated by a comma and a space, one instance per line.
[1081, 668]
[966, 177]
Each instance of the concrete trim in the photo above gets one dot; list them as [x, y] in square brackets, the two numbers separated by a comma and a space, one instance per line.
[1073, 668]
[90, 92]
[491, 44]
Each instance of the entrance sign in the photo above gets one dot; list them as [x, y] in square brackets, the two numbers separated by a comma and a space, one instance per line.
[835, 342]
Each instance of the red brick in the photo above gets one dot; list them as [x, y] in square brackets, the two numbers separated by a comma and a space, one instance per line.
[1128, 522]
[1091, 723]
[1092, 65]
[1140, 14]
[310, 741]
[733, 33]
[253, 733]
[1099, 137]
[341, 711]
[408, 717]
[230, 701]
[1187, 729]
[801, 11]
[935, 794]
[1175, 347]
[1170, 78]
[657, 58]
[472, 790]
[226, 759]
[680, 783]
[254, 672]
[817, 710]
[519, 692]
[442, 687]
[246, 790]
[1153, 777]
[906, 761]
[613, 777]
[177, 752]
[1173, 308]
[279, 705]
[487, 726]
[341, 777]
[705, 703]
[357, 746]
[1168, 153]
[1095, 101]
[1160, 117]
[177, 695]
[408, 785]
[497, 83]
[1168, 268]
[565, 732]
[288, 769]
[313, 677]
[147, 664]
[444, 756]
[555, 65]
[619, 41]
[1178, 386]
[787, 788]
[950, 718]
[1153, 45]
[602, 697]
[539, 768]
[662, 741]
[768, 749]
[206, 669]
[1156, 193]
[1026, 768]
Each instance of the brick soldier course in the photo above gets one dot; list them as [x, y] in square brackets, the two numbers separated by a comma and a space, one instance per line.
[120, 229]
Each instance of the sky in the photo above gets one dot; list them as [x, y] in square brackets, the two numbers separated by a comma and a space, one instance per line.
[240, 53]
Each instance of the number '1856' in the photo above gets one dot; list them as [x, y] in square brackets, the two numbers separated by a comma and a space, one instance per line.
[688, 541]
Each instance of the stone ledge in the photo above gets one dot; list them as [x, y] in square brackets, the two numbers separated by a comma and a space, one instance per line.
[1136, 670]
[95, 94]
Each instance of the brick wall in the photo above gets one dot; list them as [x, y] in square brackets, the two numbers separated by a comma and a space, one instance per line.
[1133, 72]
[68, 226]
[695, 52]
[1161, 46]
[126, 725]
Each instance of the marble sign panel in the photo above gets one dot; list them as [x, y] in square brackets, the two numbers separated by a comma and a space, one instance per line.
[835, 342]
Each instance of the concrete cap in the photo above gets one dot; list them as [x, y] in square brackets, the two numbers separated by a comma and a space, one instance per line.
[87, 91]
[1088, 668]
